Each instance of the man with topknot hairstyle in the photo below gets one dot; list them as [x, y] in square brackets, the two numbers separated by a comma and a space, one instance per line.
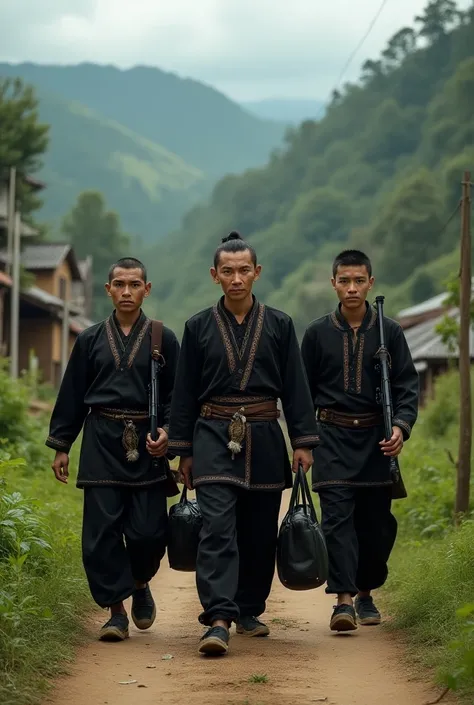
[238, 358]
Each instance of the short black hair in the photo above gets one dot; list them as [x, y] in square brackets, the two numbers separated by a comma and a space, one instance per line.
[354, 258]
[234, 243]
[128, 263]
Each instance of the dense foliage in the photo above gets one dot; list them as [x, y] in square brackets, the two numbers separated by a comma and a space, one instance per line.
[380, 171]
[23, 139]
[42, 589]
[151, 142]
[92, 230]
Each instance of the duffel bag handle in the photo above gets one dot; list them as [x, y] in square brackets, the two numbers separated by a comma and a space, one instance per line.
[300, 484]
[305, 490]
[184, 495]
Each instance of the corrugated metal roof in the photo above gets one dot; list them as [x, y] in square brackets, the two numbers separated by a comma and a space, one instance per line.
[44, 255]
[425, 342]
[44, 296]
[426, 306]
[47, 255]
[430, 305]
[77, 323]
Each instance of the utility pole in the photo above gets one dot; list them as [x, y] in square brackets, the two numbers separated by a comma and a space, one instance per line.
[11, 218]
[15, 298]
[465, 416]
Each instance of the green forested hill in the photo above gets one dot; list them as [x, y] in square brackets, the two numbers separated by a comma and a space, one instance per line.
[187, 117]
[140, 179]
[152, 142]
[381, 172]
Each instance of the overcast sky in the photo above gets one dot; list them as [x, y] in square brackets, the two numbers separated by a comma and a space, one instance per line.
[250, 49]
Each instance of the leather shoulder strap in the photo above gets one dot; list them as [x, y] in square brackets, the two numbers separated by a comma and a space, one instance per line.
[156, 339]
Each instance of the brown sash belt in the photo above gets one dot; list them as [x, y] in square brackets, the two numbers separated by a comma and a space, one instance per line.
[255, 411]
[239, 412]
[338, 418]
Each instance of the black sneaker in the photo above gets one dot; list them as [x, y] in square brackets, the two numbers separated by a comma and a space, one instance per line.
[367, 612]
[343, 619]
[251, 626]
[116, 629]
[143, 608]
[215, 642]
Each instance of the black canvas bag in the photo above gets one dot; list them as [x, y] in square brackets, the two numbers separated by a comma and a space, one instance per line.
[302, 558]
[184, 526]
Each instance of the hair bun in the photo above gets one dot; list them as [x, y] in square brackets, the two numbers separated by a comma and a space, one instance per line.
[234, 235]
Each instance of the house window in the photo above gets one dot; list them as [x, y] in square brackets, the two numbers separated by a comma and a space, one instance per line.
[62, 288]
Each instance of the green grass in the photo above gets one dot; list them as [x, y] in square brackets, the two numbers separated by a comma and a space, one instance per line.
[43, 591]
[429, 583]
[432, 567]
[44, 595]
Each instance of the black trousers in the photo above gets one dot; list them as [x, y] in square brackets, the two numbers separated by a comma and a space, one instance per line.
[360, 532]
[237, 549]
[123, 539]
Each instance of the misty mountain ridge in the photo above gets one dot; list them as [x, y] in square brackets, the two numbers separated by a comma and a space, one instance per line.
[288, 110]
[153, 143]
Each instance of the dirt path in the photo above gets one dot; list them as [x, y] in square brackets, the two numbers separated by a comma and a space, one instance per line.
[302, 660]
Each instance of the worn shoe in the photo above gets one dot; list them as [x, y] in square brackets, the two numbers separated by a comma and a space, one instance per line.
[143, 608]
[366, 611]
[116, 629]
[215, 642]
[343, 619]
[251, 626]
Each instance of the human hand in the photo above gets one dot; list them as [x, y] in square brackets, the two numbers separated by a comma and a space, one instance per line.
[158, 448]
[303, 456]
[60, 466]
[185, 472]
[393, 447]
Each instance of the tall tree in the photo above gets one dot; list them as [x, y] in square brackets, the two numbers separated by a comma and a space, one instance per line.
[92, 230]
[438, 17]
[372, 71]
[23, 139]
[401, 45]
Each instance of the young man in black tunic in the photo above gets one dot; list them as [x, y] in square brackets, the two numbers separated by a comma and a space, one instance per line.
[351, 466]
[237, 358]
[105, 388]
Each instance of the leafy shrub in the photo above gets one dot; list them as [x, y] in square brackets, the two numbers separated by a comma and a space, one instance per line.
[43, 592]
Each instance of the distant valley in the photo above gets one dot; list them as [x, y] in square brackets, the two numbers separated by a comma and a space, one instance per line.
[153, 143]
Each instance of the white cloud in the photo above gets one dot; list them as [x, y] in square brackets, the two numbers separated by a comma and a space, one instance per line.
[248, 48]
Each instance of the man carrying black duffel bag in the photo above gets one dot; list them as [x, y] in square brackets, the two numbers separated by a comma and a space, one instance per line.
[237, 358]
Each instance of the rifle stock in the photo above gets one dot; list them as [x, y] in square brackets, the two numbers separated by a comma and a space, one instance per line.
[385, 398]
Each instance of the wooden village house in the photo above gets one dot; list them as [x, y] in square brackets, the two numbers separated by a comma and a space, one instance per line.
[431, 356]
[54, 275]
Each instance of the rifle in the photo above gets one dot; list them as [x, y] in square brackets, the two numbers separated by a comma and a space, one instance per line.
[157, 364]
[384, 397]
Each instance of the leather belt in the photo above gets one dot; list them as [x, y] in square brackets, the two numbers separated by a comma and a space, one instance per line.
[253, 411]
[338, 418]
[120, 414]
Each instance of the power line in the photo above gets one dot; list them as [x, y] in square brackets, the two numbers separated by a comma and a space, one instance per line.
[455, 211]
[358, 47]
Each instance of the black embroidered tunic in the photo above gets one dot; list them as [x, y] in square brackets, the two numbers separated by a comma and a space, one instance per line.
[110, 371]
[343, 377]
[232, 364]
